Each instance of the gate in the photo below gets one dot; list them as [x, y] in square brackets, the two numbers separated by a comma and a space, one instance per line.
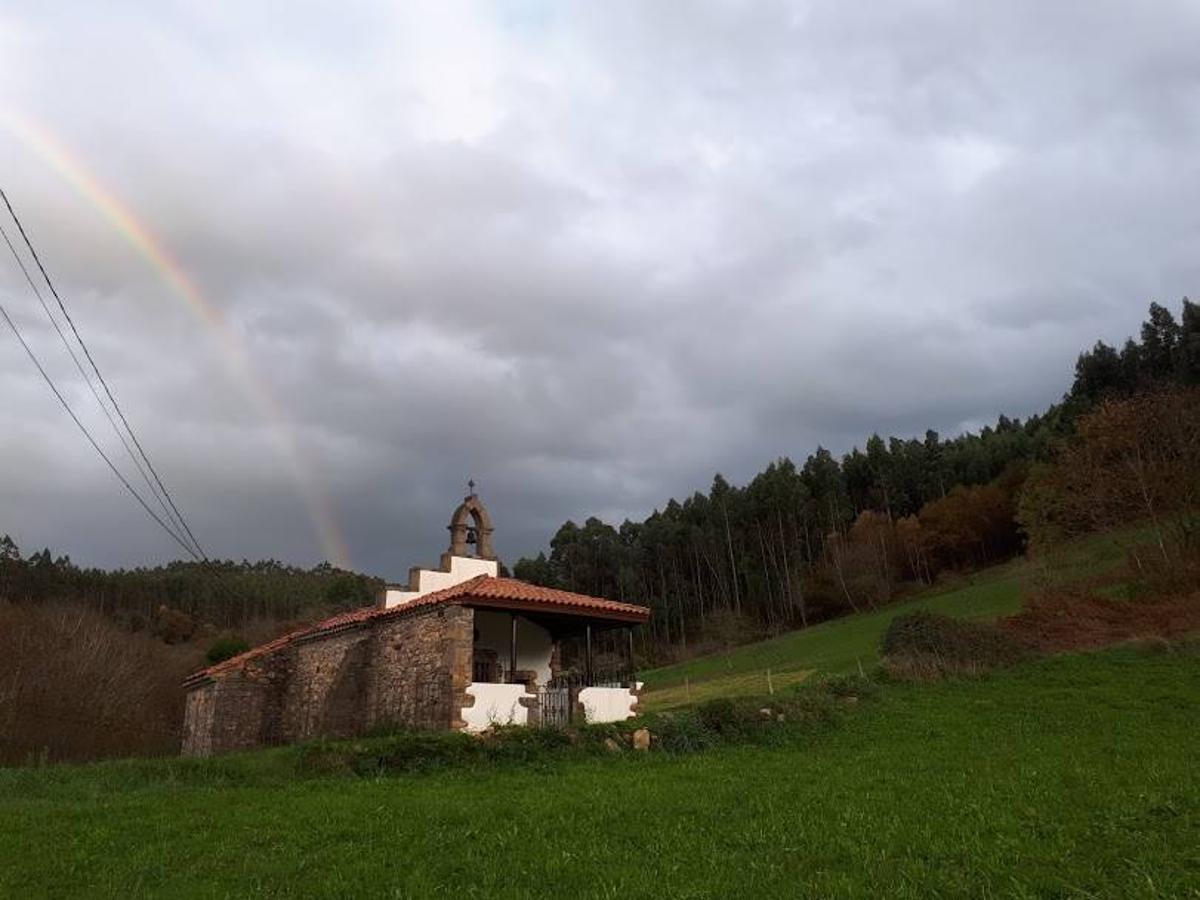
[555, 706]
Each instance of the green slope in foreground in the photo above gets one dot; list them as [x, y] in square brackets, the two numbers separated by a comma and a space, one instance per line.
[842, 645]
[1073, 776]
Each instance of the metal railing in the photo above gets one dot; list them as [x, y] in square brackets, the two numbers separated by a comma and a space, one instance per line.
[598, 678]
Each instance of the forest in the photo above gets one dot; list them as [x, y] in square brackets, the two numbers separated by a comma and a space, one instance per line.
[181, 596]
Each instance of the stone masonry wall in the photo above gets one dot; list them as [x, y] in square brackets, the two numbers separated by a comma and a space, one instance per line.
[198, 720]
[328, 684]
[410, 670]
[420, 669]
[240, 710]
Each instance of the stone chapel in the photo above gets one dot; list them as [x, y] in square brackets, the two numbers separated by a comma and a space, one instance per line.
[456, 647]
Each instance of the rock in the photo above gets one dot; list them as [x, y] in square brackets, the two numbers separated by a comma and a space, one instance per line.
[765, 712]
[780, 718]
[641, 739]
[850, 701]
[611, 746]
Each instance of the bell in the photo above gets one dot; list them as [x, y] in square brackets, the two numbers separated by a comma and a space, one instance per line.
[471, 537]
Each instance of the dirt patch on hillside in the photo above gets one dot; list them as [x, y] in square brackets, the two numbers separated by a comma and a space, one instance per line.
[1056, 622]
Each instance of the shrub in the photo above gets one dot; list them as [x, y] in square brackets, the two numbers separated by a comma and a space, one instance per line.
[524, 745]
[402, 751]
[174, 626]
[225, 647]
[843, 686]
[729, 719]
[682, 731]
[923, 644]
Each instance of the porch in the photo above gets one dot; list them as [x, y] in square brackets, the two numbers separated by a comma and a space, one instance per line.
[534, 668]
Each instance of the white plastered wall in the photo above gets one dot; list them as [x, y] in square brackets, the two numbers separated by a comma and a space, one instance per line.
[426, 581]
[534, 644]
[607, 704]
[495, 704]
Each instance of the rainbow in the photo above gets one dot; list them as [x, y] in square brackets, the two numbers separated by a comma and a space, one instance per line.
[135, 232]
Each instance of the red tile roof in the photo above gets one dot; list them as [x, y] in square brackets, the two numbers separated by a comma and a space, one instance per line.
[480, 591]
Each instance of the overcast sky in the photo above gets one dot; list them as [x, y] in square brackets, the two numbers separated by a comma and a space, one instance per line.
[588, 253]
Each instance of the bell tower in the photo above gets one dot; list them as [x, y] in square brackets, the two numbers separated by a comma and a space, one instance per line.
[470, 555]
[471, 526]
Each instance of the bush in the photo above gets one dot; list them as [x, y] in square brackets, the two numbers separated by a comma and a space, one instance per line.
[225, 647]
[749, 720]
[844, 686]
[728, 719]
[924, 644]
[403, 751]
[682, 731]
[174, 626]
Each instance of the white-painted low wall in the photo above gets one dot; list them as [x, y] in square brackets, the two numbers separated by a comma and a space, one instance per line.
[495, 704]
[607, 704]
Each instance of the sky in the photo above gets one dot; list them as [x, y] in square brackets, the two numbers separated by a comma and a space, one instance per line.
[336, 259]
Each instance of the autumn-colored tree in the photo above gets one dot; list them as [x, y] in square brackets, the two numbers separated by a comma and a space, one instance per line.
[971, 525]
[880, 561]
[1131, 460]
[914, 544]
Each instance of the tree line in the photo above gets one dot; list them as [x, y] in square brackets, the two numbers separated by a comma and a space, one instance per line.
[181, 597]
[803, 543]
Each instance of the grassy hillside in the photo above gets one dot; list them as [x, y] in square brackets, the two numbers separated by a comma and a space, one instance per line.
[1073, 776]
[842, 645]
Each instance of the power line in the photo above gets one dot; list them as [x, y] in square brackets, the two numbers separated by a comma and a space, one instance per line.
[90, 383]
[96, 369]
[87, 434]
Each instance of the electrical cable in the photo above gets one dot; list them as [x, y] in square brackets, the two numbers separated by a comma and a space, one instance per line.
[87, 434]
[90, 383]
[87, 353]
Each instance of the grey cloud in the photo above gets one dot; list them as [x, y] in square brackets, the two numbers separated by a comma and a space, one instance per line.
[589, 254]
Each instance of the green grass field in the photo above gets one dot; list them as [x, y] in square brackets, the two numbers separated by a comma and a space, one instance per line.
[1073, 776]
[834, 647]
[843, 645]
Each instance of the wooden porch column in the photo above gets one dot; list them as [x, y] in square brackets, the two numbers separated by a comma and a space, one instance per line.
[512, 651]
[587, 667]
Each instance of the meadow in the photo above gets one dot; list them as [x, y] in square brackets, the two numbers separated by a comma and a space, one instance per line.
[1071, 776]
[851, 644]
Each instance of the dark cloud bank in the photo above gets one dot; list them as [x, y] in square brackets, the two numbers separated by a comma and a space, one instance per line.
[588, 253]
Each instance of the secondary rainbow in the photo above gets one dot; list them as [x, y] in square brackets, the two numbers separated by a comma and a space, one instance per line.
[54, 153]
